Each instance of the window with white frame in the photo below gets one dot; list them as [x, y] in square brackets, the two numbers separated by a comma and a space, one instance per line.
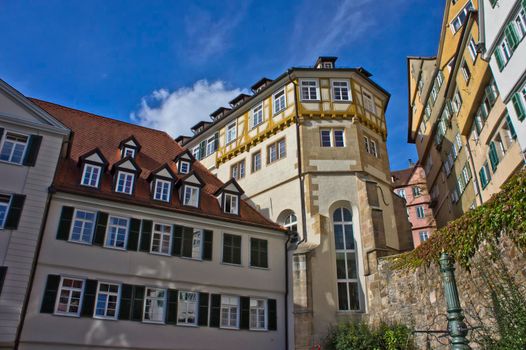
[340, 90]
[184, 167]
[91, 175]
[162, 190]
[231, 249]
[191, 196]
[210, 145]
[325, 136]
[197, 244]
[237, 171]
[258, 314]
[107, 303]
[457, 101]
[276, 151]
[401, 192]
[231, 132]
[82, 227]
[256, 161]
[128, 152]
[466, 73]
[4, 208]
[196, 152]
[368, 102]
[257, 116]
[520, 22]
[116, 232]
[124, 182]
[460, 18]
[69, 296]
[154, 305]
[309, 90]
[13, 148]
[279, 101]
[424, 236]
[420, 212]
[332, 138]
[161, 239]
[231, 203]
[372, 148]
[346, 260]
[472, 47]
[291, 222]
[187, 308]
[229, 311]
[366, 144]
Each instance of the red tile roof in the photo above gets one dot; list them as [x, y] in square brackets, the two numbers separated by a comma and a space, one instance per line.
[90, 131]
[402, 177]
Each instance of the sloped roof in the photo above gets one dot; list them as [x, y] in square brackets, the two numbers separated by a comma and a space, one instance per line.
[157, 148]
[402, 177]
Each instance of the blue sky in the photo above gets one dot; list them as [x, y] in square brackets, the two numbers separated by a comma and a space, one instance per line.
[168, 64]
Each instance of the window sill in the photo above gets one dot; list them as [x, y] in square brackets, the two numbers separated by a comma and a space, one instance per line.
[105, 318]
[66, 314]
[278, 112]
[260, 268]
[152, 322]
[115, 248]
[12, 163]
[308, 100]
[89, 186]
[79, 242]
[187, 325]
[258, 329]
[231, 264]
[161, 254]
[229, 328]
[342, 101]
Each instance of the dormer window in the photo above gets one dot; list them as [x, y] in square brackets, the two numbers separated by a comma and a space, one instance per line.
[91, 175]
[184, 167]
[129, 147]
[128, 152]
[231, 203]
[124, 182]
[162, 190]
[191, 196]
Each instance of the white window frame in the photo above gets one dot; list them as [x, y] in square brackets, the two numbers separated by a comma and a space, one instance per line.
[322, 131]
[341, 88]
[472, 47]
[464, 11]
[210, 145]
[184, 163]
[257, 311]
[373, 148]
[14, 142]
[238, 170]
[279, 103]
[196, 152]
[162, 183]
[185, 303]
[254, 162]
[520, 23]
[368, 101]
[109, 294]
[74, 219]
[70, 290]
[401, 193]
[161, 236]
[154, 300]
[278, 152]
[128, 151]
[306, 89]
[231, 132]
[6, 205]
[91, 178]
[124, 174]
[233, 200]
[188, 200]
[229, 306]
[109, 226]
[466, 73]
[257, 117]
[423, 235]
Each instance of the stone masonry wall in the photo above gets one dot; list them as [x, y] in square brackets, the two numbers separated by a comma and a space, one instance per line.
[416, 298]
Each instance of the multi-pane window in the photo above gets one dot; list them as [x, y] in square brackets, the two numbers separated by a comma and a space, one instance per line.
[154, 305]
[13, 148]
[258, 252]
[184, 167]
[258, 315]
[291, 222]
[91, 175]
[309, 90]
[237, 171]
[279, 101]
[420, 212]
[424, 236]
[401, 193]
[191, 244]
[4, 208]
[346, 269]
[366, 144]
[187, 308]
[459, 20]
[466, 73]
[372, 148]
[485, 175]
[116, 232]
[520, 23]
[368, 102]
[325, 135]
[69, 296]
[519, 103]
[340, 90]
[124, 182]
[472, 46]
[107, 300]
[229, 311]
[211, 145]
[231, 203]
[196, 152]
[83, 226]
[191, 196]
[231, 132]
[231, 249]
[128, 152]
[256, 161]
[276, 151]
[416, 191]
[257, 116]
[161, 239]
[162, 190]
[332, 138]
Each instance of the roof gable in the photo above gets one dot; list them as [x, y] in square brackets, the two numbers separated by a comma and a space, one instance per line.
[231, 186]
[164, 171]
[94, 156]
[127, 163]
[130, 142]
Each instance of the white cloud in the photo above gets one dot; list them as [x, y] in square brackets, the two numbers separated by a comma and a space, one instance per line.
[175, 112]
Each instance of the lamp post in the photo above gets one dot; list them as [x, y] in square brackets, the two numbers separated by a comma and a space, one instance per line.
[456, 327]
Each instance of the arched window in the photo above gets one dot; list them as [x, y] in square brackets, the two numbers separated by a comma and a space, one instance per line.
[291, 222]
[346, 269]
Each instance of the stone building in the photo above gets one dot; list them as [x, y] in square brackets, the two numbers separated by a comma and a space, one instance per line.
[458, 120]
[30, 144]
[309, 149]
[143, 248]
[411, 185]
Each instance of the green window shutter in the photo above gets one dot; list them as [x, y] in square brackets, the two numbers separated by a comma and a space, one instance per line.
[125, 307]
[512, 36]
[202, 318]
[50, 294]
[207, 244]
[146, 236]
[518, 106]
[272, 315]
[498, 57]
[215, 310]
[133, 234]
[65, 223]
[100, 228]
[244, 319]
[510, 127]
[493, 2]
[171, 310]
[137, 303]
[1, 133]
[524, 4]
[88, 299]
[177, 240]
[493, 156]
[482, 176]
[188, 238]
[216, 141]
[15, 211]
[33, 146]
[3, 272]
[202, 149]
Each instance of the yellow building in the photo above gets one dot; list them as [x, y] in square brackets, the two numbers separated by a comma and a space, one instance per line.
[309, 150]
[457, 119]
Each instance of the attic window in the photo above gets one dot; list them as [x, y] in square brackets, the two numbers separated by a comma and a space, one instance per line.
[91, 175]
[128, 152]
[231, 204]
[327, 65]
[191, 196]
[184, 167]
[162, 190]
[124, 183]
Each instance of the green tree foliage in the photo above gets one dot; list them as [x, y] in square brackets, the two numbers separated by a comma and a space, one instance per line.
[359, 336]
